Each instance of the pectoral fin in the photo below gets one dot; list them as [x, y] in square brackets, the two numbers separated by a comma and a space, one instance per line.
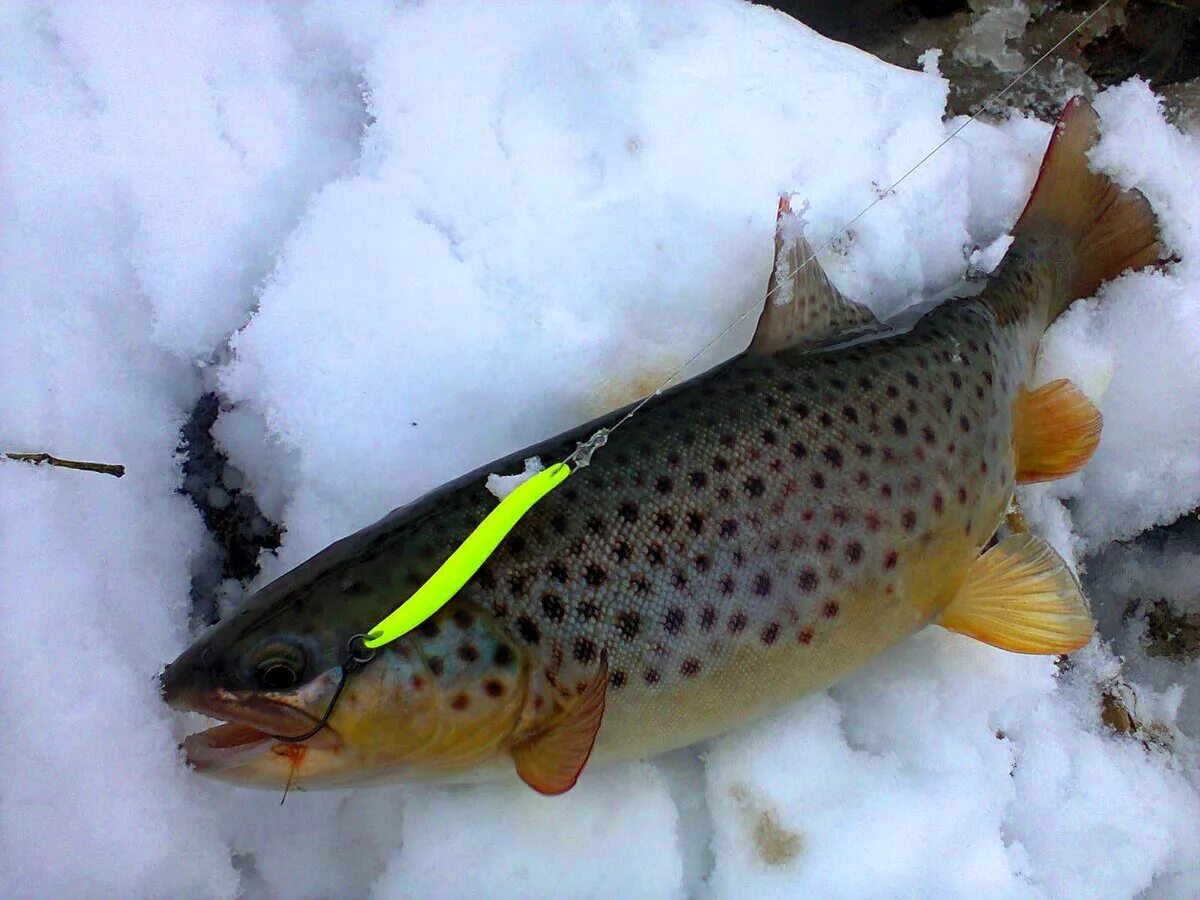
[803, 308]
[1056, 429]
[551, 759]
[1021, 596]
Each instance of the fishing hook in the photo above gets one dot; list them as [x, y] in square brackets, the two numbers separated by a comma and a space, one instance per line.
[357, 656]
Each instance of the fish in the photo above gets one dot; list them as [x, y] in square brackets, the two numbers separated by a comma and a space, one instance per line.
[750, 536]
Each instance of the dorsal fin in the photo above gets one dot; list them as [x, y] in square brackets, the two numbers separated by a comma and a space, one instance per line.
[1056, 430]
[1021, 596]
[551, 759]
[803, 308]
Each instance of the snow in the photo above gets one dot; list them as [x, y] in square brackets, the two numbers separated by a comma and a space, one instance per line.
[404, 241]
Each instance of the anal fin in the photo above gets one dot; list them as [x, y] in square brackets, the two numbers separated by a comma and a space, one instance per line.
[802, 308]
[1056, 431]
[1021, 596]
[552, 758]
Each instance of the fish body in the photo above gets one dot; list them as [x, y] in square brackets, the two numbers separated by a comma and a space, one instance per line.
[748, 537]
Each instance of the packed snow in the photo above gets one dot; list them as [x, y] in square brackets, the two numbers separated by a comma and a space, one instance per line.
[404, 240]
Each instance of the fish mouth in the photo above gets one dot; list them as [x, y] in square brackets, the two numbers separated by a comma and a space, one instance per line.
[249, 727]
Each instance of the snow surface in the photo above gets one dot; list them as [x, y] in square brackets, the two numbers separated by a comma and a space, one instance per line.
[404, 241]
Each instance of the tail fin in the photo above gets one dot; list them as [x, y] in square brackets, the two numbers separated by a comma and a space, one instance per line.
[1106, 229]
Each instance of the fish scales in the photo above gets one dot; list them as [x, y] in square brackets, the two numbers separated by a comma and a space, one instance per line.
[750, 536]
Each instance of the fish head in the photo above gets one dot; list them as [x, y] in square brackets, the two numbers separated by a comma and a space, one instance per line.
[302, 702]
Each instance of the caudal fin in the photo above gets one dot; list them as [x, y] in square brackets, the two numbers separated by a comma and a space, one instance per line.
[1106, 229]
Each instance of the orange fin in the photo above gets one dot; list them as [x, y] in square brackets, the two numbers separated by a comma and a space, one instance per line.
[552, 758]
[1021, 596]
[1106, 229]
[1056, 430]
[802, 308]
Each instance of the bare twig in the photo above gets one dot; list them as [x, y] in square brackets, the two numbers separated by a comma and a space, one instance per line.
[37, 458]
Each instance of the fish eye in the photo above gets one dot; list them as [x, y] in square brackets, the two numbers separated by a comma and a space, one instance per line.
[280, 665]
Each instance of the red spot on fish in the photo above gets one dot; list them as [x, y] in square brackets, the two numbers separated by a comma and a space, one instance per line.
[830, 609]
[805, 636]
[872, 521]
[460, 702]
[689, 667]
[889, 561]
[908, 519]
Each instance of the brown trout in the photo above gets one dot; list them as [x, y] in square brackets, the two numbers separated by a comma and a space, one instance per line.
[750, 536]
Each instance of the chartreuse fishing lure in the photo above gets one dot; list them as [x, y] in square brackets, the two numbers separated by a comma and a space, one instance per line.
[466, 560]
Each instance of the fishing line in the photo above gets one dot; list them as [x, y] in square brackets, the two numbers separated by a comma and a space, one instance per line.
[583, 453]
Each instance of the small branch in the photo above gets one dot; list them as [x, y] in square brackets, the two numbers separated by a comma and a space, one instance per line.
[36, 458]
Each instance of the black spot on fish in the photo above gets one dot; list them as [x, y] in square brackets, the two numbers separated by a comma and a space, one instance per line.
[639, 584]
[663, 485]
[833, 456]
[864, 450]
[622, 551]
[727, 585]
[762, 584]
[429, 629]
[528, 630]
[628, 511]
[830, 609]
[595, 524]
[651, 676]
[689, 667]
[553, 607]
[754, 486]
[617, 678]
[769, 633]
[655, 555]
[854, 552]
[584, 650]
[768, 437]
[664, 521]
[698, 480]
[516, 543]
[708, 617]
[908, 519]
[965, 424]
[462, 619]
[899, 425]
[737, 623]
[849, 413]
[503, 656]
[436, 666]
[889, 561]
[557, 571]
[720, 464]
[694, 522]
[587, 609]
[911, 379]
[629, 623]
[817, 480]
[594, 575]
[468, 653]
[493, 688]
[808, 580]
[674, 620]
[729, 528]
[798, 450]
